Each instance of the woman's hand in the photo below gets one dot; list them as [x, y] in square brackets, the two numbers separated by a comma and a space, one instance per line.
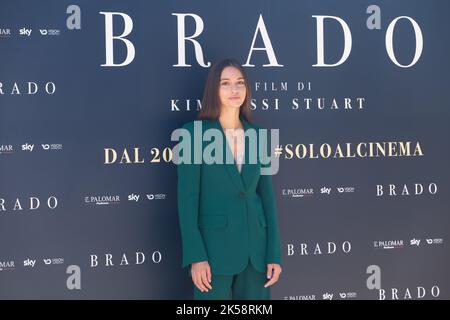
[273, 273]
[201, 275]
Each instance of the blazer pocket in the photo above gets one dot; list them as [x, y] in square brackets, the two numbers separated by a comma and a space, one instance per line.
[262, 220]
[213, 221]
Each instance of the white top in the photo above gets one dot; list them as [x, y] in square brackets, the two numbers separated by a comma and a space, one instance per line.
[235, 138]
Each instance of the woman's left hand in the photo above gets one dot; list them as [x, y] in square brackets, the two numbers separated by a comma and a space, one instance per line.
[273, 273]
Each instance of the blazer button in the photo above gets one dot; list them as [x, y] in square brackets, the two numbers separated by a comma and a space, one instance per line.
[241, 194]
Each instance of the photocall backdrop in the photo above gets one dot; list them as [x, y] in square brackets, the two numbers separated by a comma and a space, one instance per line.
[90, 92]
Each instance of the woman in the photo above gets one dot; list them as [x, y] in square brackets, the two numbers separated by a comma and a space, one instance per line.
[227, 211]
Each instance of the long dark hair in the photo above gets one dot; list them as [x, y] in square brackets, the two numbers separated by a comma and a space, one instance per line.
[211, 101]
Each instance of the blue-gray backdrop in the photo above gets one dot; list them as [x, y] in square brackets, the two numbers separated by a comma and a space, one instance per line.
[90, 92]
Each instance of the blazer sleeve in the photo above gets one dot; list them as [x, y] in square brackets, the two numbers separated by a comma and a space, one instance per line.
[265, 190]
[188, 190]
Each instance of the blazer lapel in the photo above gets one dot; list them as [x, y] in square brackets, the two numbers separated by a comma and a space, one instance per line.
[244, 179]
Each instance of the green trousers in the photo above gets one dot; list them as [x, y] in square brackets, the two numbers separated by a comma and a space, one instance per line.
[247, 285]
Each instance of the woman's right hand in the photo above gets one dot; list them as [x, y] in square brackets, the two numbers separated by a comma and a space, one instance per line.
[201, 275]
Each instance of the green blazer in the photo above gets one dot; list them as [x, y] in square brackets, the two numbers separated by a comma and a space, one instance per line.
[227, 217]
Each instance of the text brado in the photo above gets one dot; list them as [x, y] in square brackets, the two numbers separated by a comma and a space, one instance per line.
[260, 30]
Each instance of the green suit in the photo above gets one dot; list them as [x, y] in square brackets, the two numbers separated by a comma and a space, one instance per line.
[227, 217]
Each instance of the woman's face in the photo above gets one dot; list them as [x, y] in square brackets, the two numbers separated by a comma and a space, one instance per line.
[232, 89]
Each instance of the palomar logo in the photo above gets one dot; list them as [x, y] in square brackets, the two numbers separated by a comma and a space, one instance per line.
[6, 265]
[102, 200]
[5, 33]
[297, 192]
[389, 244]
[6, 149]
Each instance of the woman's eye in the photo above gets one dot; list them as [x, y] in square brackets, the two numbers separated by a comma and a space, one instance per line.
[227, 84]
